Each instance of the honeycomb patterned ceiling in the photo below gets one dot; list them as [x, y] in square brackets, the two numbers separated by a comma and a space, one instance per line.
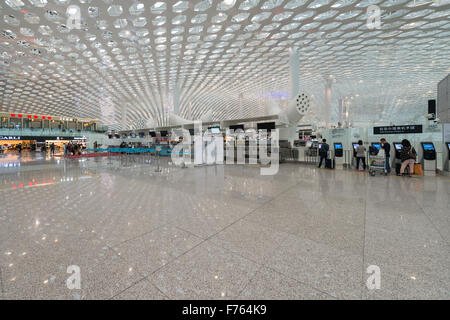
[132, 61]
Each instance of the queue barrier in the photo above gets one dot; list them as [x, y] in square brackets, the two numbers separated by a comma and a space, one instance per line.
[138, 151]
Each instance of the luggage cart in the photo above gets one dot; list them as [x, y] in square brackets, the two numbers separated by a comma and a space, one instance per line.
[377, 164]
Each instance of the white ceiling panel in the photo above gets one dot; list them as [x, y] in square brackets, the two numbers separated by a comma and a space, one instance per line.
[127, 56]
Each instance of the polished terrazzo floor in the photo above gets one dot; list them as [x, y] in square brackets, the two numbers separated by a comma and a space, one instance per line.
[218, 232]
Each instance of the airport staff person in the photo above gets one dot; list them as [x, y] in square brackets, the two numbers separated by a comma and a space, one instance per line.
[323, 152]
[387, 153]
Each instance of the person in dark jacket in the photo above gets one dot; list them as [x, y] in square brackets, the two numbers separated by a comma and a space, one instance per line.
[387, 154]
[408, 157]
[323, 152]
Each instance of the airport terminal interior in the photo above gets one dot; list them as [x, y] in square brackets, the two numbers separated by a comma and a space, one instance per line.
[224, 149]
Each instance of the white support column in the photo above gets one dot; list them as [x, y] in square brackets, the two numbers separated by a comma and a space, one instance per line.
[124, 117]
[176, 99]
[294, 67]
[241, 105]
[328, 85]
[341, 110]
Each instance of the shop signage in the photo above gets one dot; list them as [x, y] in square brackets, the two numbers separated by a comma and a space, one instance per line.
[40, 138]
[413, 128]
[10, 138]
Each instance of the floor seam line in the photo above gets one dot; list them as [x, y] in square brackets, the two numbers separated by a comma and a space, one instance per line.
[2, 288]
[432, 224]
[364, 244]
[132, 285]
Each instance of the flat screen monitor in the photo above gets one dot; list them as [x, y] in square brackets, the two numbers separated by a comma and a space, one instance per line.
[338, 146]
[141, 134]
[428, 146]
[164, 133]
[237, 126]
[355, 145]
[448, 145]
[376, 145]
[152, 134]
[320, 146]
[398, 146]
[215, 129]
[191, 132]
[266, 126]
[132, 135]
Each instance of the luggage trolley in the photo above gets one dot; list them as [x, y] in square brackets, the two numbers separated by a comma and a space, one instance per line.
[377, 164]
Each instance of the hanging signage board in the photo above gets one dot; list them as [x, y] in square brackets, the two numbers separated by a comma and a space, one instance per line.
[10, 138]
[412, 128]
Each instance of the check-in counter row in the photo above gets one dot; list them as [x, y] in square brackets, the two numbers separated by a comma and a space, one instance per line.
[427, 155]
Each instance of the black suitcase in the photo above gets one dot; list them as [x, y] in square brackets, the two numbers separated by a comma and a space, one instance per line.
[397, 168]
[329, 163]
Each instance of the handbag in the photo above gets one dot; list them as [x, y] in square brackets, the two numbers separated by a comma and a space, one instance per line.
[418, 169]
[412, 154]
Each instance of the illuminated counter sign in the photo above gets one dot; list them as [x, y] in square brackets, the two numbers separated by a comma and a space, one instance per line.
[417, 128]
[10, 138]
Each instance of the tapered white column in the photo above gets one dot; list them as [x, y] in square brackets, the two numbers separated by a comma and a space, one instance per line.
[340, 110]
[176, 99]
[328, 84]
[124, 117]
[294, 67]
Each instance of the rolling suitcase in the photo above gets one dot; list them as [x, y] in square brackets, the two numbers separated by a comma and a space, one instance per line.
[329, 164]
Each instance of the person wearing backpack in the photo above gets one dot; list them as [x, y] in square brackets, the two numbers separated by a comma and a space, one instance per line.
[408, 157]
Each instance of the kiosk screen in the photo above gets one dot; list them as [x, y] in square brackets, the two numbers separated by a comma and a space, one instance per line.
[355, 145]
[448, 145]
[428, 147]
[398, 146]
[377, 145]
[338, 146]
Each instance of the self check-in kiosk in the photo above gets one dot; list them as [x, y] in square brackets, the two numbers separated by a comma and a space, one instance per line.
[338, 150]
[397, 161]
[355, 145]
[397, 147]
[428, 158]
[338, 155]
[376, 145]
[447, 156]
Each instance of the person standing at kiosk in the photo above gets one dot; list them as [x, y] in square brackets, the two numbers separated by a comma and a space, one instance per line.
[408, 156]
[360, 155]
[387, 154]
[323, 152]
